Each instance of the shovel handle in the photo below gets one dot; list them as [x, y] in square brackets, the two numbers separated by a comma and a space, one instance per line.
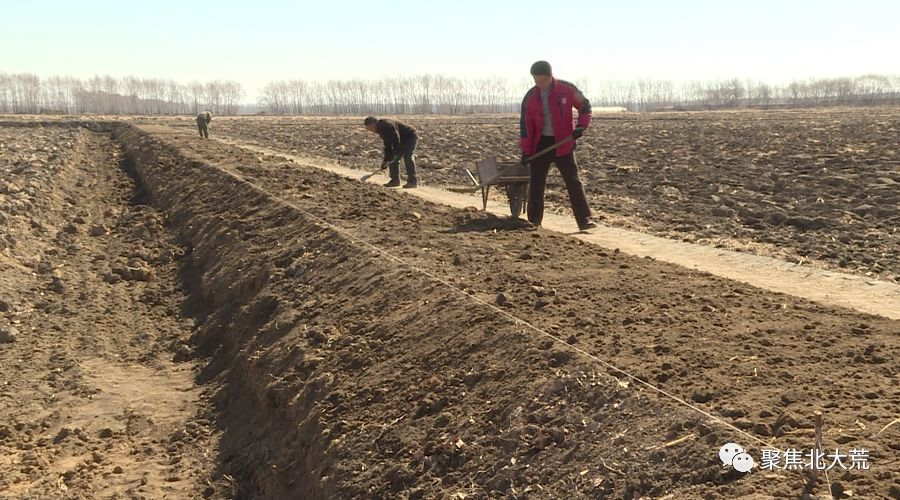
[549, 148]
[370, 174]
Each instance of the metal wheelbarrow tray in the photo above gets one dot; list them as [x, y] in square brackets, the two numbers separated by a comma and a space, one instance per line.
[514, 176]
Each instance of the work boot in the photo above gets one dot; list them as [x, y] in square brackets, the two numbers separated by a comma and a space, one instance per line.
[411, 183]
[586, 224]
[392, 183]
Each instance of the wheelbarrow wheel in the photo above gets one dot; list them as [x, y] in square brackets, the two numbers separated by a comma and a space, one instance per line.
[517, 194]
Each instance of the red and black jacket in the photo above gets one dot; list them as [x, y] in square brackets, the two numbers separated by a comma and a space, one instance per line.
[563, 98]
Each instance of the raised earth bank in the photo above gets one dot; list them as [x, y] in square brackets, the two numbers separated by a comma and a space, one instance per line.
[349, 374]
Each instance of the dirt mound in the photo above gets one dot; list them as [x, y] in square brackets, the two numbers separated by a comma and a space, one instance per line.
[351, 375]
[359, 343]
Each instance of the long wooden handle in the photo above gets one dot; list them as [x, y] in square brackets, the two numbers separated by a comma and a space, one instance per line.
[549, 148]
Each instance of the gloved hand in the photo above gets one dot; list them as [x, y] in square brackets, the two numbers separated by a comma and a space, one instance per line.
[384, 164]
[524, 160]
[578, 132]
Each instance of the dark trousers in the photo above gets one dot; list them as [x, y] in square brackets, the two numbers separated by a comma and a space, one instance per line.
[408, 151]
[204, 131]
[568, 168]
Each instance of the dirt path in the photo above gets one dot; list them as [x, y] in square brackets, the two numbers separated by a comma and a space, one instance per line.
[91, 404]
[827, 287]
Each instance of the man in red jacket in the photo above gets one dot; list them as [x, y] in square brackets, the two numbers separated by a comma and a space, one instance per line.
[546, 119]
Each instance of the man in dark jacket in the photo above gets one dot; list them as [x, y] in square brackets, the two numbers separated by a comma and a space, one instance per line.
[203, 120]
[546, 119]
[399, 141]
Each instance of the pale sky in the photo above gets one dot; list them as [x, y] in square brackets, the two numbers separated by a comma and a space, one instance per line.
[254, 42]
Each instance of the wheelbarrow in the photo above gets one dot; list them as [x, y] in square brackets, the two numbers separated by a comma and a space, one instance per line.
[514, 177]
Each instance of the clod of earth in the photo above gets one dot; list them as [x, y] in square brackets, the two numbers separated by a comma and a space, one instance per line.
[8, 334]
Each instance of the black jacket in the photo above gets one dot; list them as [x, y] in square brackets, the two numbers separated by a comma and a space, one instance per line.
[395, 135]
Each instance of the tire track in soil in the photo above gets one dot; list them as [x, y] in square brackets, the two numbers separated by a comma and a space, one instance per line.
[763, 361]
[91, 405]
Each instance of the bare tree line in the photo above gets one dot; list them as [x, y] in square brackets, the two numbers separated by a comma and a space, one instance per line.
[652, 95]
[27, 93]
[420, 94]
[441, 94]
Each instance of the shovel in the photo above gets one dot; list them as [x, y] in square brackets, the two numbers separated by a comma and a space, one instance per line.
[548, 149]
[369, 175]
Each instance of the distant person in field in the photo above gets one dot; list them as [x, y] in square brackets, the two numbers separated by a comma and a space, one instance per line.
[547, 118]
[399, 142]
[203, 120]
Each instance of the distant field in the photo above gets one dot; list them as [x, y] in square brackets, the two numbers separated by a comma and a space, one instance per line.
[817, 187]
